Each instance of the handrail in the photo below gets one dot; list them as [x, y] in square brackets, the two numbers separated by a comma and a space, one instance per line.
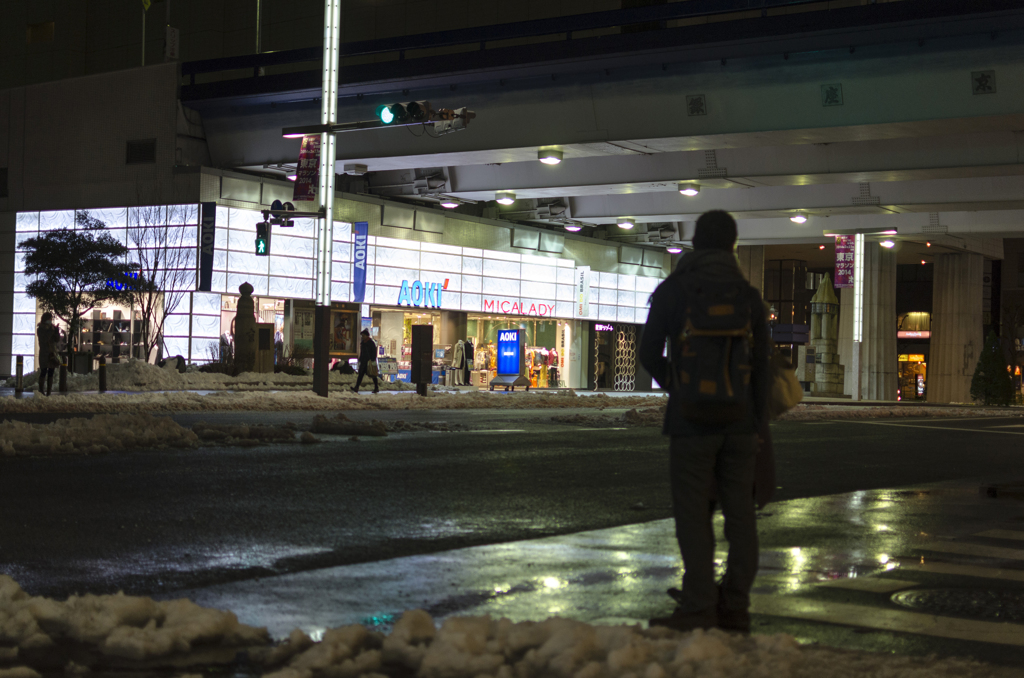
[483, 34]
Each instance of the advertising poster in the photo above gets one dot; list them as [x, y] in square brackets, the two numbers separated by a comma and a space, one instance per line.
[508, 352]
[307, 174]
[844, 261]
[345, 327]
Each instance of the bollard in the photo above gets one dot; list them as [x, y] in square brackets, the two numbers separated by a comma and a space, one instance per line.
[19, 375]
[62, 386]
[103, 374]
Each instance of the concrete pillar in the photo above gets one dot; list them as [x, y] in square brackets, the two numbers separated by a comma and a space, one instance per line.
[878, 364]
[956, 327]
[751, 260]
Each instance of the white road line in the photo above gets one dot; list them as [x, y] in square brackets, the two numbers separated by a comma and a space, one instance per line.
[500, 430]
[942, 428]
[1001, 534]
[967, 571]
[870, 584]
[969, 549]
[885, 619]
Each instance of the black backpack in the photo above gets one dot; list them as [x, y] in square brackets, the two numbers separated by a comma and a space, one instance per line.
[711, 354]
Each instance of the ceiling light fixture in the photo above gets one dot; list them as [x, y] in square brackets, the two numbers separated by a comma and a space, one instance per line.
[689, 189]
[625, 223]
[551, 156]
[291, 177]
[923, 262]
[573, 226]
[799, 218]
[505, 197]
[821, 247]
[928, 244]
[450, 203]
[674, 249]
[887, 244]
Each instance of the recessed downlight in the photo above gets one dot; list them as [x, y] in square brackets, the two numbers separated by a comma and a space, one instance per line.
[799, 218]
[573, 226]
[689, 189]
[626, 223]
[550, 156]
[674, 249]
[505, 197]
[887, 244]
[450, 203]
[291, 177]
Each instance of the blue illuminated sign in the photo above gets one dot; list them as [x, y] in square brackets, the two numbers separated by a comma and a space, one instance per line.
[508, 352]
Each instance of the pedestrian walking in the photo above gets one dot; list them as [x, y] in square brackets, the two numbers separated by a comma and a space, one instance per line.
[49, 352]
[717, 376]
[367, 361]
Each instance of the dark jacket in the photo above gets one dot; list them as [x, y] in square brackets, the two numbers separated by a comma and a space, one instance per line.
[666, 320]
[367, 351]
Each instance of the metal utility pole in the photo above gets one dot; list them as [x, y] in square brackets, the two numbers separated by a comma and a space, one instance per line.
[325, 225]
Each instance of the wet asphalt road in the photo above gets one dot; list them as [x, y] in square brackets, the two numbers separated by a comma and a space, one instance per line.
[152, 522]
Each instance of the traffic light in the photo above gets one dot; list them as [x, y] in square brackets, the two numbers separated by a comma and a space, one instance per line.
[404, 112]
[262, 239]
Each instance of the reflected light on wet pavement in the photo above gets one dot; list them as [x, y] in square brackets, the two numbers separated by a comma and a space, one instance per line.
[620, 575]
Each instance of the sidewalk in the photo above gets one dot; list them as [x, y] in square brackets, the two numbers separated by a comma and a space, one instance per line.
[831, 570]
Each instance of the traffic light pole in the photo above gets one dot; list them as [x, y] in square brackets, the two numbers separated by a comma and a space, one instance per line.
[325, 225]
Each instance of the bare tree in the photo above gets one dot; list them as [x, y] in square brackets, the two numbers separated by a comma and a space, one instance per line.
[161, 240]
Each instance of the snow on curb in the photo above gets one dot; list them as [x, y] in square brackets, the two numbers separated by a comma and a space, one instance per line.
[97, 435]
[138, 375]
[125, 631]
[474, 647]
[118, 627]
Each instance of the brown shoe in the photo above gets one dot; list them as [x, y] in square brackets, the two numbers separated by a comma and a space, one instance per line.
[687, 621]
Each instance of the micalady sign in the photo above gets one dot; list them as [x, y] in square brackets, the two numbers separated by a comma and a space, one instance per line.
[539, 308]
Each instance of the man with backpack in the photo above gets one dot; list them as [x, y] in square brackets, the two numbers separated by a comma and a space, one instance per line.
[717, 375]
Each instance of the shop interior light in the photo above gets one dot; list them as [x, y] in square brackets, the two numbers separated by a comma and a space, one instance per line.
[821, 247]
[799, 218]
[689, 189]
[625, 223]
[449, 203]
[923, 262]
[505, 197]
[887, 244]
[550, 156]
[928, 244]
[674, 249]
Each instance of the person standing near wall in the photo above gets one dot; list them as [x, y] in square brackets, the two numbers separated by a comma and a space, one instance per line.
[49, 356]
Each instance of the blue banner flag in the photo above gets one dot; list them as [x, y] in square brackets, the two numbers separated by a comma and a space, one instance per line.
[360, 235]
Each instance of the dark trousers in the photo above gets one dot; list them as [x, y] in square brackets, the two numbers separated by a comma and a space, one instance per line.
[45, 375]
[728, 460]
[362, 373]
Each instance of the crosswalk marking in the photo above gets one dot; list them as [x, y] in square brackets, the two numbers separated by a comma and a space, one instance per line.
[967, 571]
[1001, 534]
[978, 550]
[870, 584]
[944, 428]
[885, 619]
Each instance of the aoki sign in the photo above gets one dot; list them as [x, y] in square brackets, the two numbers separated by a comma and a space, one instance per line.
[424, 295]
[540, 308]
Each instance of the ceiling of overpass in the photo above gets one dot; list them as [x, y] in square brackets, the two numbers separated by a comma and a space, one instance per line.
[912, 145]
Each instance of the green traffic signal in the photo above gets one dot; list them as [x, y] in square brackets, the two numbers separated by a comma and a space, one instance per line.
[385, 114]
[261, 246]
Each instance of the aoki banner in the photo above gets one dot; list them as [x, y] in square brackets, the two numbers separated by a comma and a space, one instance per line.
[360, 233]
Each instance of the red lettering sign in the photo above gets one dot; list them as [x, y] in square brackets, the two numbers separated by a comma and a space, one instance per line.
[537, 308]
[489, 305]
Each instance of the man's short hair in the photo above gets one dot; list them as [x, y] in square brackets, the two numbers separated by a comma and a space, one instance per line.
[366, 332]
[715, 230]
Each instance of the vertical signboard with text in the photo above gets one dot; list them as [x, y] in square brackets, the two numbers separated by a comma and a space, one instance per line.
[508, 353]
[844, 260]
[207, 241]
[360, 236]
[307, 174]
[582, 291]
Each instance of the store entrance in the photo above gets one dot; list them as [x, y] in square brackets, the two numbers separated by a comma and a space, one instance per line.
[913, 376]
[547, 345]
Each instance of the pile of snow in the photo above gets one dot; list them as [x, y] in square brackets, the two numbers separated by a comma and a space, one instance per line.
[99, 434]
[41, 633]
[35, 630]
[243, 435]
[339, 399]
[138, 375]
[475, 647]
